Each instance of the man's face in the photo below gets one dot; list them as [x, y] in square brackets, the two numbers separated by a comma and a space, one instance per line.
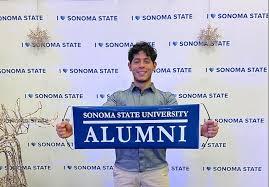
[142, 67]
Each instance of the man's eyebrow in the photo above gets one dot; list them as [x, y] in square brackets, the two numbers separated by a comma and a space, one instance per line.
[142, 58]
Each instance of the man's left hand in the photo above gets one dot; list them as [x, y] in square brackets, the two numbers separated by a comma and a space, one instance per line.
[209, 129]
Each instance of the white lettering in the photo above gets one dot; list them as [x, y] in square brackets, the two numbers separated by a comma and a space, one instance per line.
[120, 134]
[92, 135]
[169, 136]
[182, 133]
[143, 136]
[105, 135]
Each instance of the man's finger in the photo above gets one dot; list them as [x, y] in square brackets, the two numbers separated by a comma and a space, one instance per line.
[60, 125]
[61, 130]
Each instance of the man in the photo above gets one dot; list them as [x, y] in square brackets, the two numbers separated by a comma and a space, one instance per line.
[141, 167]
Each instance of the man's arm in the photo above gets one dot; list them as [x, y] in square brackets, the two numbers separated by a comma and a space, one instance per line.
[170, 99]
[112, 100]
[65, 129]
[209, 129]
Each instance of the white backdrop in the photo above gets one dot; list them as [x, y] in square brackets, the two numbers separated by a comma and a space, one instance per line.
[230, 79]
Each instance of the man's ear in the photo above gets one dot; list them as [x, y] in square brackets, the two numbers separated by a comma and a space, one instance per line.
[129, 65]
[155, 65]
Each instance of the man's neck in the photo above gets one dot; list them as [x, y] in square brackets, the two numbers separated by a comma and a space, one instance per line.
[142, 85]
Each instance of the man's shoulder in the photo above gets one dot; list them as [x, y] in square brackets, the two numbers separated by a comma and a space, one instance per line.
[121, 92]
[164, 93]
[167, 97]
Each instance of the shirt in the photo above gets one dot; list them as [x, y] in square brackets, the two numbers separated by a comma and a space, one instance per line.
[140, 160]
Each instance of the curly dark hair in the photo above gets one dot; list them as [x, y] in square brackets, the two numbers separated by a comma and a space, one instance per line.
[142, 46]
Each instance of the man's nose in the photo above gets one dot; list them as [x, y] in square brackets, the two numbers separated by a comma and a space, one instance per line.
[142, 64]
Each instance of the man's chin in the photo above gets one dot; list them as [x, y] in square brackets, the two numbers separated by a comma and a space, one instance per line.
[142, 80]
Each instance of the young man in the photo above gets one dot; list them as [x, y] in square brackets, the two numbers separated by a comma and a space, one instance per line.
[141, 167]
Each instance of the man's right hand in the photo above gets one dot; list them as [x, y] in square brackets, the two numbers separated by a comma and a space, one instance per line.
[64, 129]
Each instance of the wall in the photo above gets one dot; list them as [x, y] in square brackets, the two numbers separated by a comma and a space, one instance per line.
[85, 61]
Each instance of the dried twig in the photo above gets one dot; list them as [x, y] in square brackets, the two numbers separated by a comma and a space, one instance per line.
[12, 124]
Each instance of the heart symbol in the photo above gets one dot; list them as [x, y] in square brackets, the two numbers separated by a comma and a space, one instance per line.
[211, 69]
[208, 168]
[102, 95]
[33, 144]
[65, 70]
[62, 17]
[213, 15]
[137, 17]
[30, 95]
[27, 44]
[69, 167]
[174, 43]
[100, 44]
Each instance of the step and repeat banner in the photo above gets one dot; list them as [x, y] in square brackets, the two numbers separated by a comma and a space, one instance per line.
[60, 53]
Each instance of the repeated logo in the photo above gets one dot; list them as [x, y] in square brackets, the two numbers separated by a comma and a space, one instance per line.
[213, 95]
[162, 17]
[27, 167]
[52, 45]
[121, 44]
[252, 69]
[102, 96]
[23, 71]
[88, 167]
[241, 120]
[179, 168]
[232, 168]
[196, 43]
[173, 70]
[88, 18]
[22, 18]
[254, 15]
[89, 70]
[214, 145]
[49, 144]
[54, 96]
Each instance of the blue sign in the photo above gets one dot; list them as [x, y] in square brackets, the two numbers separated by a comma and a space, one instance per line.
[174, 126]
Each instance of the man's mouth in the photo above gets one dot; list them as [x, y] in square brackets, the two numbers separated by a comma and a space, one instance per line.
[141, 72]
